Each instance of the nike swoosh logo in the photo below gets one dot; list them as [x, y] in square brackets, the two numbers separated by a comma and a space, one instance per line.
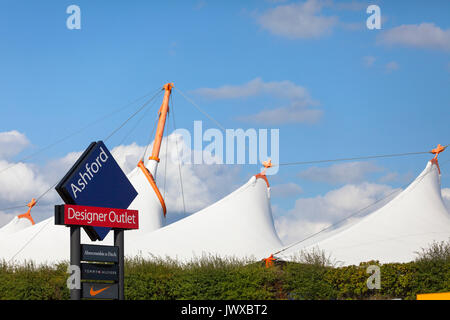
[96, 292]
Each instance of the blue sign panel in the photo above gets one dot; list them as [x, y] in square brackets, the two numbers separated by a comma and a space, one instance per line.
[97, 180]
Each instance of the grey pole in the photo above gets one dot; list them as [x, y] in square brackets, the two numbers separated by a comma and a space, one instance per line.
[119, 242]
[75, 256]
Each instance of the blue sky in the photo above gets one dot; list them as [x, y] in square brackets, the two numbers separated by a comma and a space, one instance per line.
[375, 91]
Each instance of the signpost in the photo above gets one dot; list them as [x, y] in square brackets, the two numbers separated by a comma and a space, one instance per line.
[97, 194]
[96, 180]
[100, 291]
[100, 262]
[95, 253]
[102, 272]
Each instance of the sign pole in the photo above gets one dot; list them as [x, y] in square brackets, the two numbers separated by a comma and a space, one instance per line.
[97, 180]
[75, 256]
[119, 242]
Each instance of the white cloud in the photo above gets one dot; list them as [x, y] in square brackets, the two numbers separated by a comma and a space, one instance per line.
[291, 230]
[340, 202]
[350, 172]
[396, 177]
[446, 197]
[285, 190]
[293, 114]
[298, 111]
[55, 169]
[298, 21]
[11, 143]
[127, 156]
[311, 215]
[257, 87]
[20, 183]
[424, 35]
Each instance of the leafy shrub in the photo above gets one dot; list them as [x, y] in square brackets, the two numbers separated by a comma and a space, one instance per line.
[313, 275]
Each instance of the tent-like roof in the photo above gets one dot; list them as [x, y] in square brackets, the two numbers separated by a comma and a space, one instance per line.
[16, 224]
[239, 225]
[414, 219]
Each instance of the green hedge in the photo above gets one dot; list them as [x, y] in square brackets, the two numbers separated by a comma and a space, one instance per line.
[214, 278]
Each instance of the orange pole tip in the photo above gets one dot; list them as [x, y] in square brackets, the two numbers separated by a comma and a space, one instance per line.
[32, 203]
[438, 149]
[168, 86]
[262, 175]
[267, 164]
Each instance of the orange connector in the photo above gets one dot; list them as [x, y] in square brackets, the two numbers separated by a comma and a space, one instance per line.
[269, 261]
[27, 215]
[436, 152]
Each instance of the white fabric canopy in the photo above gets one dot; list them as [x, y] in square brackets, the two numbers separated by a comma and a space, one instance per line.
[239, 225]
[414, 219]
[16, 224]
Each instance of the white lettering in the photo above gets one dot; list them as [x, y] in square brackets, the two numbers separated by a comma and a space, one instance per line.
[94, 167]
[74, 20]
[103, 156]
[71, 213]
[74, 280]
[374, 21]
[374, 281]
[75, 189]
[90, 170]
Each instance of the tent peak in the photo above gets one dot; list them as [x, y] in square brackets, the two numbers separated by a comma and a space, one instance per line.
[436, 151]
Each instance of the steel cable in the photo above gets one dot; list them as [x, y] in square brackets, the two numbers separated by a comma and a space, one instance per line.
[73, 134]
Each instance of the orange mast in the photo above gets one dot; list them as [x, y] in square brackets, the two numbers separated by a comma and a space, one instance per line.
[162, 122]
[154, 158]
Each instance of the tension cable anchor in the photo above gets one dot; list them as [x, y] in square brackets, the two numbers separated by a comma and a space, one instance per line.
[27, 215]
[262, 175]
[436, 151]
[269, 261]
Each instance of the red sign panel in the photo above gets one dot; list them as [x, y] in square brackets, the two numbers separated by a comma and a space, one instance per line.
[101, 217]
